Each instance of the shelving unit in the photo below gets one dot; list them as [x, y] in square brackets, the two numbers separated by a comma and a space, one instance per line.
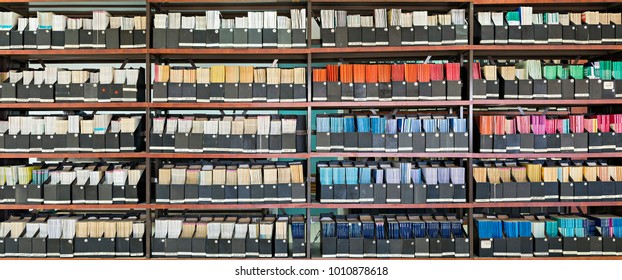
[308, 56]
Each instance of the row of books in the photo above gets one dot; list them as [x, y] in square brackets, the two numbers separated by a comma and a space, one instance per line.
[71, 133]
[547, 181]
[52, 84]
[392, 28]
[245, 182]
[51, 31]
[229, 134]
[226, 236]
[401, 235]
[553, 235]
[66, 236]
[522, 26]
[542, 134]
[387, 82]
[391, 133]
[67, 183]
[390, 182]
[229, 83]
[534, 79]
[259, 29]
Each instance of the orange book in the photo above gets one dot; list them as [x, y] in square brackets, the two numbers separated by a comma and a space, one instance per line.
[411, 71]
[384, 73]
[371, 73]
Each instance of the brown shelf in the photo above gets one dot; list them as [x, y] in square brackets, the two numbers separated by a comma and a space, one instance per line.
[391, 206]
[529, 2]
[543, 51]
[73, 155]
[546, 204]
[237, 155]
[226, 206]
[547, 155]
[73, 206]
[402, 155]
[117, 55]
[229, 105]
[546, 102]
[75, 105]
[231, 54]
[387, 104]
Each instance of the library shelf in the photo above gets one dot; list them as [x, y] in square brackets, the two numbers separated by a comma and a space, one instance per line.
[546, 102]
[391, 206]
[546, 204]
[73, 155]
[542, 51]
[530, 2]
[387, 155]
[73, 206]
[548, 155]
[230, 155]
[231, 54]
[389, 104]
[75, 105]
[229, 105]
[225, 206]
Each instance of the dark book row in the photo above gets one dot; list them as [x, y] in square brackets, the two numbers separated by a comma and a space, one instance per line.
[218, 143]
[72, 194]
[547, 89]
[229, 38]
[229, 92]
[74, 142]
[342, 37]
[230, 194]
[551, 143]
[393, 91]
[392, 193]
[228, 248]
[424, 247]
[549, 247]
[100, 247]
[548, 191]
[43, 39]
[417, 142]
[86, 92]
[548, 34]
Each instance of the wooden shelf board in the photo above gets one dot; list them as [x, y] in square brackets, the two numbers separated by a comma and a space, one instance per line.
[73, 206]
[390, 206]
[73, 155]
[242, 156]
[229, 105]
[226, 206]
[547, 155]
[75, 105]
[545, 102]
[546, 204]
[387, 104]
[402, 155]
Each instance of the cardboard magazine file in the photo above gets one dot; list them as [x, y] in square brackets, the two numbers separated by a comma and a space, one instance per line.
[407, 193]
[527, 34]
[34, 194]
[99, 39]
[395, 247]
[355, 36]
[171, 246]
[129, 141]
[91, 193]
[231, 194]
[483, 192]
[341, 37]
[434, 35]
[57, 194]
[385, 92]
[446, 193]
[368, 37]
[160, 92]
[284, 38]
[7, 194]
[260, 92]
[171, 39]
[407, 36]
[266, 248]
[212, 38]
[594, 34]
[422, 247]
[186, 38]
[104, 193]
[275, 143]
[198, 247]
[29, 39]
[596, 88]
[500, 35]
[158, 247]
[566, 191]
[252, 247]
[448, 247]
[281, 247]
[419, 142]
[527, 143]
[594, 190]
[383, 247]
[61, 92]
[511, 89]
[394, 34]
[112, 142]
[569, 245]
[225, 38]
[15, 39]
[462, 34]
[184, 247]
[378, 142]
[132, 195]
[554, 89]
[273, 93]
[286, 93]
[333, 92]
[43, 39]
[582, 89]
[391, 143]
[526, 246]
[347, 92]
[299, 38]
[199, 38]
[255, 38]
[485, 34]
[23, 92]
[609, 140]
[436, 248]
[553, 143]
[405, 142]
[393, 193]
[540, 89]
[126, 39]
[118, 194]
[479, 88]
[112, 39]
[351, 144]
[177, 193]
[425, 91]
[366, 193]
[76, 93]
[77, 194]
[608, 190]
[364, 141]
[595, 141]
[433, 194]
[244, 94]
[319, 91]
[38, 246]
[448, 34]
[537, 191]
[182, 141]
[596, 245]
[526, 89]
[515, 34]
[583, 246]
[523, 191]
[568, 34]
[203, 93]
[380, 193]
[137, 246]
[610, 246]
[175, 92]
[122, 247]
[581, 142]
[231, 92]
[567, 88]
[540, 33]
[269, 38]
[432, 142]
[17, 143]
[238, 247]
[581, 191]
[582, 34]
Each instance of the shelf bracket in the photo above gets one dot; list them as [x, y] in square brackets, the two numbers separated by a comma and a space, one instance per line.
[373, 111]
[546, 110]
[283, 210]
[576, 60]
[491, 60]
[520, 110]
[395, 111]
[222, 112]
[41, 62]
[124, 63]
[191, 63]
